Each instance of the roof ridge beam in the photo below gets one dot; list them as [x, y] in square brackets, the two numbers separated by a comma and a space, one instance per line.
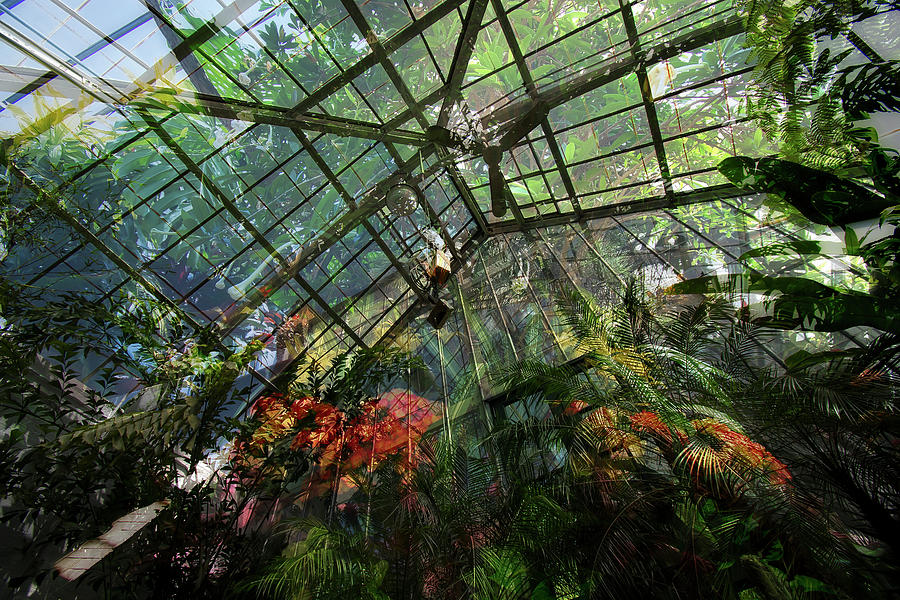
[533, 93]
[465, 46]
[709, 194]
[560, 93]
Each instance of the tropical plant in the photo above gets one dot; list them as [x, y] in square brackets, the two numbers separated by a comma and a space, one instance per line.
[77, 454]
[641, 443]
[801, 302]
[338, 424]
[852, 184]
[804, 93]
[638, 476]
[413, 529]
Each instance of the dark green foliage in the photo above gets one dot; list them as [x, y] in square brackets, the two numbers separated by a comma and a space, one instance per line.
[873, 87]
[654, 523]
[408, 533]
[72, 462]
[801, 96]
[328, 563]
[798, 303]
[883, 167]
[829, 199]
[820, 196]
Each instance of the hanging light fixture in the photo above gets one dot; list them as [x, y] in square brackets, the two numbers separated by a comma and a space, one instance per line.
[492, 155]
[403, 198]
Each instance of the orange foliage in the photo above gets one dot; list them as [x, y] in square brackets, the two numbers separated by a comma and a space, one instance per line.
[728, 450]
[649, 422]
[391, 424]
[575, 407]
[737, 447]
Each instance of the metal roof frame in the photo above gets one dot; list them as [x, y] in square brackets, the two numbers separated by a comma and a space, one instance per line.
[511, 125]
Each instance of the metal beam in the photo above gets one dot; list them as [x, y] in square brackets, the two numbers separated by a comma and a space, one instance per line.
[215, 106]
[648, 248]
[590, 246]
[46, 76]
[625, 208]
[185, 55]
[557, 94]
[562, 265]
[351, 204]
[412, 310]
[426, 207]
[286, 266]
[203, 34]
[530, 86]
[540, 307]
[647, 96]
[271, 115]
[399, 39]
[461, 56]
[286, 368]
[368, 206]
[380, 52]
[258, 112]
[444, 155]
[504, 318]
[46, 200]
[516, 125]
[35, 51]
[381, 55]
[486, 414]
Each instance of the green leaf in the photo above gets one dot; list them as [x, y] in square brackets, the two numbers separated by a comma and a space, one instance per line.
[806, 584]
[803, 359]
[799, 247]
[542, 592]
[798, 303]
[851, 241]
[820, 196]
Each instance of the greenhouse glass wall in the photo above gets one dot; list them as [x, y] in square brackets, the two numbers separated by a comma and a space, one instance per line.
[449, 299]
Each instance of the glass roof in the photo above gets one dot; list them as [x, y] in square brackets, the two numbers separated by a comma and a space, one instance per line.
[232, 161]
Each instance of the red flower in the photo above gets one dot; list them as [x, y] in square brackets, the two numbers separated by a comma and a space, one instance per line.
[575, 407]
[300, 408]
[738, 447]
[264, 403]
[387, 425]
[649, 422]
